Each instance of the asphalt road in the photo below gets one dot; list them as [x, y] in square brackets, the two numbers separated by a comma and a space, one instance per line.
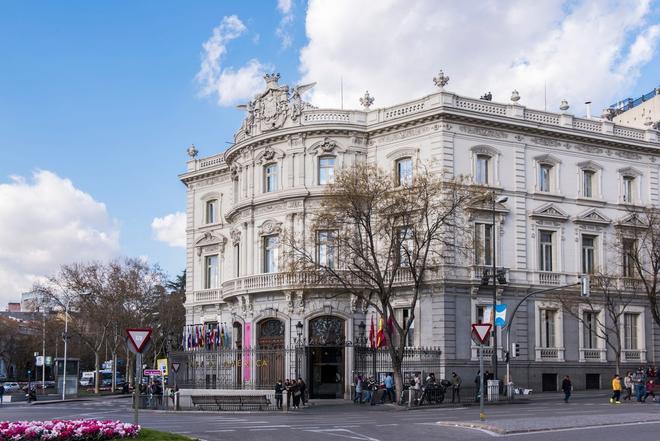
[546, 418]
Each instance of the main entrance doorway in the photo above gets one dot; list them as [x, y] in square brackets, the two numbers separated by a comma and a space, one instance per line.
[269, 366]
[326, 357]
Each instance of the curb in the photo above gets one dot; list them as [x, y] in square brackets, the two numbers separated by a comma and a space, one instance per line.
[499, 431]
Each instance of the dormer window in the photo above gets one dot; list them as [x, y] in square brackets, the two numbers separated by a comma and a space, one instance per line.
[404, 171]
[326, 170]
[211, 211]
[545, 177]
[270, 178]
[482, 175]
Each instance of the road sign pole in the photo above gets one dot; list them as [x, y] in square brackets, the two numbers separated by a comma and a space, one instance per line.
[136, 389]
[482, 414]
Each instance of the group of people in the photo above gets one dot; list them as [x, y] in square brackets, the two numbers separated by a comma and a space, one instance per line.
[295, 393]
[366, 388]
[640, 384]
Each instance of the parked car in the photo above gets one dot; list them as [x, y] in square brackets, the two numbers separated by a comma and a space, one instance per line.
[11, 387]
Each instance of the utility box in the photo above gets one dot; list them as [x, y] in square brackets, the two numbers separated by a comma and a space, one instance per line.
[72, 372]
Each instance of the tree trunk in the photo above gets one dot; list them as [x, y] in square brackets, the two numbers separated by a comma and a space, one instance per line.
[127, 376]
[97, 374]
[114, 370]
[397, 374]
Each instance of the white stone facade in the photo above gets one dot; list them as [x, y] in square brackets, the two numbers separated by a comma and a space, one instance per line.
[569, 182]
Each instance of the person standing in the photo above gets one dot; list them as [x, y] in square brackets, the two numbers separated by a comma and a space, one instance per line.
[650, 386]
[455, 387]
[358, 390]
[389, 388]
[287, 387]
[295, 390]
[616, 390]
[279, 389]
[628, 385]
[303, 391]
[567, 387]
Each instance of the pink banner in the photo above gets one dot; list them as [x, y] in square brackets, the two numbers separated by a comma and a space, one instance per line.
[247, 338]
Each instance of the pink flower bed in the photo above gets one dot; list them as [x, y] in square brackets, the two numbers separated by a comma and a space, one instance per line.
[65, 430]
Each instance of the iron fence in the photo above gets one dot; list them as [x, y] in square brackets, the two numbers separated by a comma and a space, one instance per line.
[377, 362]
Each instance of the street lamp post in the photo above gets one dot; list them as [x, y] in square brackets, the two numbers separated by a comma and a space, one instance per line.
[66, 339]
[43, 350]
[495, 200]
[299, 332]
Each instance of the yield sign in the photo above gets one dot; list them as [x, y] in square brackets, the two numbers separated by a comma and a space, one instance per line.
[139, 337]
[175, 367]
[481, 330]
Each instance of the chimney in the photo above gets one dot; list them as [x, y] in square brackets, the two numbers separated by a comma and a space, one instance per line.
[588, 104]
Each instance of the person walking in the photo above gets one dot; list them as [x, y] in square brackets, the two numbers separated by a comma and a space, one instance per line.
[456, 387]
[289, 396]
[295, 390]
[279, 389]
[417, 386]
[358, 390]
[650, 386]
[628, 385]
[303, 391]
[389, 388]
[616, 389]
[567, 387]
[639, 381]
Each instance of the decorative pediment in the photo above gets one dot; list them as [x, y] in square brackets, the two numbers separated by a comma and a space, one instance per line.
[550, 211]
[484, 150]
[593, 216]
[632, 220]
[270, 227]
[325, 146]
[629, 171]
[210, 242]
[589, 165]
[268, 154]
[547, 159]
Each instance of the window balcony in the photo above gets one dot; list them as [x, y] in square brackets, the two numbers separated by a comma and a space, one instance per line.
[633, 356]
[548, 278]
[207, 296]
[549, 354]
[590, 355]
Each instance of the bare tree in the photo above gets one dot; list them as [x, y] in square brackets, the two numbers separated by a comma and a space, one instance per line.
[606, 307]
[377, 237]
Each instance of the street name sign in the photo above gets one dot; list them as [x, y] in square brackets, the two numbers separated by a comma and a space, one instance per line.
[152, 373]
[138, 337]
[481, 331]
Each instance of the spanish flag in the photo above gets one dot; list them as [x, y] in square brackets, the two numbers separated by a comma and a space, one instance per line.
[380, 338]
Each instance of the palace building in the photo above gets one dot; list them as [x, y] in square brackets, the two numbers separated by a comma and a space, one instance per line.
[569, 183]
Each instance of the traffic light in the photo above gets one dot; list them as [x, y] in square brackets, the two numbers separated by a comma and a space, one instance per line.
[507, 355]
[515, 350]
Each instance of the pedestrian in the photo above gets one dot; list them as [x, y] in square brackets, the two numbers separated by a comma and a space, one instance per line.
[455, 387]
[295, 389]
[567, 387]
[650, 386]
[628, 385]
[279, 388]
[477, 379]
[417, 386]
[358, 390]
[287, 388]
[616, 389]
[389, 388]
[303, 390]
[373, 388]
[639, 380]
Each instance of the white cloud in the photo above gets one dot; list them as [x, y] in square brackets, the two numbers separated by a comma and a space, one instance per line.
[171, 229]
[285, 7]
[229, 84]
[46, 222]
[582, 50]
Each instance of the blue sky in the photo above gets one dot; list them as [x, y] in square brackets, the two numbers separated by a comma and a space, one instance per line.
[104, 94]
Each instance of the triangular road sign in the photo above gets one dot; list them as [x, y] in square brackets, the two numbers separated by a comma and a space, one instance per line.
[175, 367]
[482, 331]
[139, 337]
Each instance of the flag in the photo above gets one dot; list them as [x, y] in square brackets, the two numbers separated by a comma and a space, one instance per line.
[222, 336]
[500, 315]
[390, 327]
[200, 335]
[379, 334]
[488, 314]
[228, 338]
[372, 334]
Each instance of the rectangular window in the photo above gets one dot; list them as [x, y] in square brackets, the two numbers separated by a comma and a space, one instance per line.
[483, 244]
[211, 271]
[403, 315]
[404, 171]
[211, 207]
[481, 318]
[588, 254]
[545, 171]
[325, 248]
[237, 260]
[483, 163]
[270, 254]
[589, 330]
[406, 246]
[628, 189]
[326, 170]
[628, 258]
[270, 178]
[588, 177]
[547, 331]
[545, 250]
[630, 330]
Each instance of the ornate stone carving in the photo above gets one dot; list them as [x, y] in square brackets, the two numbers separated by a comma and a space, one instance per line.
[233, 170]
[545, 141]
[367, 100]
[328, 145]
[297, 104]
[627, 155]
[585, 148]
[355, 300]
[563, 106]
[402, 134]
[300, 302]
[491, 133]
[550, 211]
[515, 96]
[192, 151]
[288, 296]
[235, 235]
[441, 80]
[593, 216]
[269, 153]
[270, 227]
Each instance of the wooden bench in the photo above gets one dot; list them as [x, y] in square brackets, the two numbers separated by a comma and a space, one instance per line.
[230, 402]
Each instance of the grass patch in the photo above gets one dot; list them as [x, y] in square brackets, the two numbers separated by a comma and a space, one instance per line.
[156, 435]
